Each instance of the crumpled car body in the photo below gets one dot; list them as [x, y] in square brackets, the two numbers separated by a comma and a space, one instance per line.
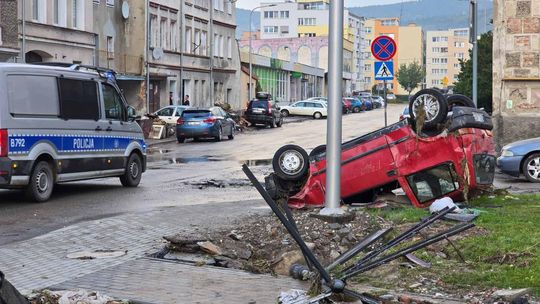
[425, 167]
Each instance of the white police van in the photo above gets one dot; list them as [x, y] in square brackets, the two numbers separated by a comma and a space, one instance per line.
[65, 123]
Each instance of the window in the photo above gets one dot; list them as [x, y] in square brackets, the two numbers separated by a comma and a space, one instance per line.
[444, 60]
[174, 36]
[114, 108]
[216, 45]
[460, 55]
[197, 42]
[284, 14]
[307, 21]
[204, 43]
[229, 8]
[433, 183]
[284, 29]
[389, 22]
[229, 47]
[444, 50]
[166, 112]
[78, 99]
[110, 2]
[24, 90]
[110, 47]
[459, 44]
[153, 31]
[78, 14]
[163, 33]
[456, 65]
[221, 46]
[270, 29]
[435, 82]
[187, 38]
[461, 33]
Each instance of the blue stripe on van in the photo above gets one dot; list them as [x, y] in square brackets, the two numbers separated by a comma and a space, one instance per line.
[21, 144]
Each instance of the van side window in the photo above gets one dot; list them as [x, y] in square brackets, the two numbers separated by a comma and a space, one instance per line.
[32, 95]
[114, 108]
[78, 99]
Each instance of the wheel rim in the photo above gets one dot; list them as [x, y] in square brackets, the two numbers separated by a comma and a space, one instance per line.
[533, 168]
[42, 181]
[431, 106]
[317, 115]
[134, 169]
[291, 162]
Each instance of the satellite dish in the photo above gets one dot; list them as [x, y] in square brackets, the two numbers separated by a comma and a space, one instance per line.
[125, 10]
[157, 53]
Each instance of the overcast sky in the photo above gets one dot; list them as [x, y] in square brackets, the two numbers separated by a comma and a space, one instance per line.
[249, 4]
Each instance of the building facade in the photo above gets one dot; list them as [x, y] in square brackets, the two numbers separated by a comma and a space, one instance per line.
[58, 31]
[9, 40]
[516, 70]
[444, 50]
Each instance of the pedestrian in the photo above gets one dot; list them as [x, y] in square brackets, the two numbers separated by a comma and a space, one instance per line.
[171, 101]
[186, 101]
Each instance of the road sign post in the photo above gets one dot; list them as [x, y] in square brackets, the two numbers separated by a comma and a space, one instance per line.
[384, 48]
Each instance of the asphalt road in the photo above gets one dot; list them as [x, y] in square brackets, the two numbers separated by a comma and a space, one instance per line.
[192, 173]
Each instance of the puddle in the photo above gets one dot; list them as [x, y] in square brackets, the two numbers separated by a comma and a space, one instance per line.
[256, 162]
[152, 151]
[187, 160]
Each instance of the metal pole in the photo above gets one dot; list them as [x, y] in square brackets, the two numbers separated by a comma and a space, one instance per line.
[23, 43]
[333, 137]
[474, 30]
[385, 106]
[147, 54]
[212, 101]
[181, 49]
[250, 50]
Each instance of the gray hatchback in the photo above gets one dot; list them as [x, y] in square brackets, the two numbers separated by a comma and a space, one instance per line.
[521, 157]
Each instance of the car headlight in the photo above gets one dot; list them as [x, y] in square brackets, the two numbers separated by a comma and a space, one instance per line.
[507, 153]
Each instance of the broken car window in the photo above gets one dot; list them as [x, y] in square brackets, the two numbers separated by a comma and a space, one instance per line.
[433, 183]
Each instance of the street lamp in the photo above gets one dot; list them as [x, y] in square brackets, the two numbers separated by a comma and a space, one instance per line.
[250, 39]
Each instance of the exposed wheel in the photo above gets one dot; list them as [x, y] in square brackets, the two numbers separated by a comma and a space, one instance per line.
[531, 168]
[279, 122]
[285, 113]
[434, 104]
[181, 139]
[220, 135]
[133, 174]
[317, 115]
[356, 109]
[318, 150]
[460, 101]
[41, 184]
[290, 163]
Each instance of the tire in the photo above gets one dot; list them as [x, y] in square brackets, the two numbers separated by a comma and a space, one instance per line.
[220, 135]
[531, 168]
[285, 113]
[317, 115]
[356, 109]
[290, 163]
[133, 174]
[280, 122]
[460, 101]
[181, 140]
[231, 137]
[41, 184]
[435, 104]
[318, 150]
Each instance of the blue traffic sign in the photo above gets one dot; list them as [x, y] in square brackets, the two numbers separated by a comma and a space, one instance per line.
[384, 70]
[383, 48]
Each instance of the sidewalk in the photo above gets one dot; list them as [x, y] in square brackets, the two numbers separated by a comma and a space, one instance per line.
[150, 142]
[41, 262]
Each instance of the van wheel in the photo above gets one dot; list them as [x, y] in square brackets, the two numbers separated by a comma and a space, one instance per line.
[133, 174]
[41, 182]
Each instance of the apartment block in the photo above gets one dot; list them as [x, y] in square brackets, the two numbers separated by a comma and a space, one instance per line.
[444, 50]
[409, 41]
[516, 70]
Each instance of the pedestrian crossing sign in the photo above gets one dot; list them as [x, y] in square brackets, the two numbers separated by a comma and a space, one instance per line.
[384, 70]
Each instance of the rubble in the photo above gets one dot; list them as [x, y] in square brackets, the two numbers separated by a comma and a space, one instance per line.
[73, 297]
[510, 294]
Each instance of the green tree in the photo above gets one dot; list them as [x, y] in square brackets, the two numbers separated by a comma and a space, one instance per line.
[485, 73]
[410, 76]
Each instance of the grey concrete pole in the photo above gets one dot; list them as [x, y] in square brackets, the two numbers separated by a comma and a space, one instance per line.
[333, 137]
[474, 35]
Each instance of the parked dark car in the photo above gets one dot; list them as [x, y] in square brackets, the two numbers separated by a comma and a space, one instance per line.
[205, 123]
[521, 157]
[264, 112]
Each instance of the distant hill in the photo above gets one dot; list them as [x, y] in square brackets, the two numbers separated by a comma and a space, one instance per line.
[429, 14]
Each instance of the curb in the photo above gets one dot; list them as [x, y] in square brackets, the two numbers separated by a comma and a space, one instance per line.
[161, 142]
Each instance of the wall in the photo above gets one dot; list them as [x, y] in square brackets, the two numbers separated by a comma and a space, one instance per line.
[410, 49]
[516, 70]
[9, 41]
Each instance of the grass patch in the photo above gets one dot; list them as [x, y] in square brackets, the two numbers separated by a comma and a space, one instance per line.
[400, 215]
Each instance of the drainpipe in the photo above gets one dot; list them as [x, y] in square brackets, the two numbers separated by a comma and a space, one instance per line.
[146, 54]
[181, 46]
[212, 53]
[96, 48]
[23, 44]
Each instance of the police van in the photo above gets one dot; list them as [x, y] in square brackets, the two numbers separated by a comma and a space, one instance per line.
[65, 123]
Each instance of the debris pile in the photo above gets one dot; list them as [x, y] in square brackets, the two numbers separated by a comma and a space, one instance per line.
[73, 297]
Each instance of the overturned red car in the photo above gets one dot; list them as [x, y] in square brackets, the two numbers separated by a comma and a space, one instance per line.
[453, 154]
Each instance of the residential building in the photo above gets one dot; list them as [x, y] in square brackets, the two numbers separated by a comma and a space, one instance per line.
[287, 81]
[310, 19]
[57, 31]
[9, 40]
[516, 72]
[444, 50]
[120, 45]
[409, 40]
